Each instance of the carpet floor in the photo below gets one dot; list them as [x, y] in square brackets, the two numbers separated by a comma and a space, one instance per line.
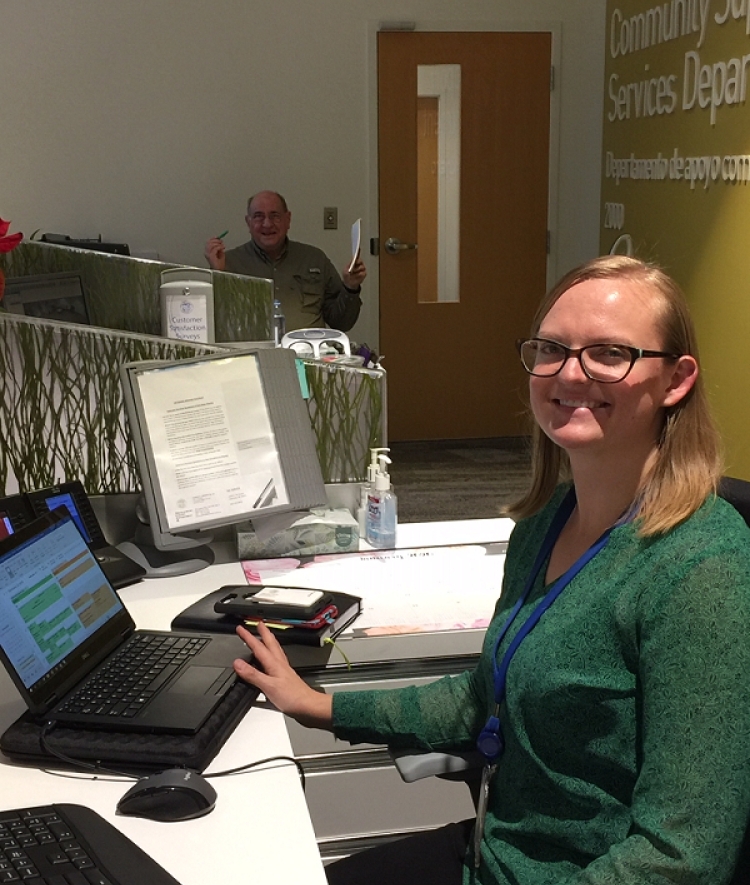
[458, 479]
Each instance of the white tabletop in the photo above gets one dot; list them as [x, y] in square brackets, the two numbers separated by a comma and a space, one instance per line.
[259, 815]
[260, 829]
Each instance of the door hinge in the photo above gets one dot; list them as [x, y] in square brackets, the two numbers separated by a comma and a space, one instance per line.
[552, 78]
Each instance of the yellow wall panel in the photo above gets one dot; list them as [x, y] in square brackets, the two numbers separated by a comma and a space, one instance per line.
[676, 175]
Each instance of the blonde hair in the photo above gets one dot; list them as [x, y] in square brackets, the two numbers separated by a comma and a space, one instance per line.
[689, 463]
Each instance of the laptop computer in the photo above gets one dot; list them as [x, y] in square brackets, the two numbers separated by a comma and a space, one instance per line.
[18, 510]
[63, 628]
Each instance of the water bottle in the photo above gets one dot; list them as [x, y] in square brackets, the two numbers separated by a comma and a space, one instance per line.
[279, 323]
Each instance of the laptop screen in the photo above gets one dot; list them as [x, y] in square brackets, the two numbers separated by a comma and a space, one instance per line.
[54, 599]
[65, 499]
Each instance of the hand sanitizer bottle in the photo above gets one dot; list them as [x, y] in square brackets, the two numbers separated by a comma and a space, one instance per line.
[367, 486]
[381, 509]
[279, 323]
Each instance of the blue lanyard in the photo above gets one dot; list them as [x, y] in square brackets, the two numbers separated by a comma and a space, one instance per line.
[490, 741]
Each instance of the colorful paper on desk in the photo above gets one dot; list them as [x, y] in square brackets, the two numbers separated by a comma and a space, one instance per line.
[424, 589]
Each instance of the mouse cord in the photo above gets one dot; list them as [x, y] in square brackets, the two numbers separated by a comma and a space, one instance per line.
[241, 768]
[76, 763]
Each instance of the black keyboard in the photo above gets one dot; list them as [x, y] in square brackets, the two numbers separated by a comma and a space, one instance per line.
[123, 685]
[71, 845]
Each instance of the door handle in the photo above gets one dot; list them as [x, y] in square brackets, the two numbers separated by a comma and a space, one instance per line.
[394, 246]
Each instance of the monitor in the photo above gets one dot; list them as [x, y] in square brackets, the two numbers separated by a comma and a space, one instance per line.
[51, 296]
[97, 245]
[220, 439]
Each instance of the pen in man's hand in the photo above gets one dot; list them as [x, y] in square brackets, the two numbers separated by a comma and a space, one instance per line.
[221, 236]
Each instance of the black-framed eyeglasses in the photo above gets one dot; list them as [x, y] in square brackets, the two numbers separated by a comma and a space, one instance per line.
[606, 363]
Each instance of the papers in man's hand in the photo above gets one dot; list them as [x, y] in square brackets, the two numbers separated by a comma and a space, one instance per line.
[356, 242]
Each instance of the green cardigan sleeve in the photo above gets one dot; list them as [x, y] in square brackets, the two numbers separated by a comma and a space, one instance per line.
[444, 714]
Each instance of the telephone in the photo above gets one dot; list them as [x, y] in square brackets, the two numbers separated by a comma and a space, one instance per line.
[18, 510]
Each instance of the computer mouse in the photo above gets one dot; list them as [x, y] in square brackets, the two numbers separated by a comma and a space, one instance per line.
[174, 794]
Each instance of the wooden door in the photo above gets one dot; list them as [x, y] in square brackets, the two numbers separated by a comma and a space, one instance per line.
[453, 372]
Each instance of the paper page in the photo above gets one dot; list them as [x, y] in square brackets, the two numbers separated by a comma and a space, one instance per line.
[213, 445]
[418, 590]
[356, 242]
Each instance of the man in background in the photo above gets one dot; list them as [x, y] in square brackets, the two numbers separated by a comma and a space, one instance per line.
[305, 281]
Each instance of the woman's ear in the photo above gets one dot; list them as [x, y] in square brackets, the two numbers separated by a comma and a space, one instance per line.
[684, 375]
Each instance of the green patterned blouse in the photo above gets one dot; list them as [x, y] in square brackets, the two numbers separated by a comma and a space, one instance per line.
[627, 714]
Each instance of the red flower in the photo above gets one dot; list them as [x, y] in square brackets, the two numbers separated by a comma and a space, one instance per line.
[8, 241]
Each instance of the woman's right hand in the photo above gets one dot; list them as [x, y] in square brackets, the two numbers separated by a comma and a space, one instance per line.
[280, 683]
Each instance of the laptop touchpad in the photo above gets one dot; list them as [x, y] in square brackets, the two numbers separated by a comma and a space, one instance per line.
[197, 680]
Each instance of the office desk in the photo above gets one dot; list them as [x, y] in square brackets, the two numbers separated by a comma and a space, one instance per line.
[260, 829]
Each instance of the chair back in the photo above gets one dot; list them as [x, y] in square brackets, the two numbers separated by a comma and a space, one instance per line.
[737, 492]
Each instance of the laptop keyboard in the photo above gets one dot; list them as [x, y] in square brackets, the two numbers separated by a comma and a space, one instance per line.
[122, 686]
[71, 845]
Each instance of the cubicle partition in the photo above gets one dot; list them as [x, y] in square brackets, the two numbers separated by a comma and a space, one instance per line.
[62, 415]
[347, 407]
[123, 292]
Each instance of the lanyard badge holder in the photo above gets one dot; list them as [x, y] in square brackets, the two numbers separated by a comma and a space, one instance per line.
[490, 742]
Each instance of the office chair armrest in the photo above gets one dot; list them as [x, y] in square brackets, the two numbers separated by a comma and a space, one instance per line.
[414, 765]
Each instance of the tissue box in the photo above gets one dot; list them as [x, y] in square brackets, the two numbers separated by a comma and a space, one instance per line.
[321, 531]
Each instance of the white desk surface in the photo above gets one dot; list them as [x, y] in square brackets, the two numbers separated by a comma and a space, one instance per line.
[260, 829]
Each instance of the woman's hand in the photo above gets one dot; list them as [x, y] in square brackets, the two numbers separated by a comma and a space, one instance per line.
[280, 683]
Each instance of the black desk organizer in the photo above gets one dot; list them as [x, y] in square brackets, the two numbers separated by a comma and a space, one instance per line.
[134, 752]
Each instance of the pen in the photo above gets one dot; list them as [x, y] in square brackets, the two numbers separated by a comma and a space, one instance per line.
[263, 496]
[221, 236]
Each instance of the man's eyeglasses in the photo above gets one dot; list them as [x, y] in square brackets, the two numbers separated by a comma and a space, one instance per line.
[606, 363]
[259, 217]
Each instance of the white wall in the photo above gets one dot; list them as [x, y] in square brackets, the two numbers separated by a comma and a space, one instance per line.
[150, 121]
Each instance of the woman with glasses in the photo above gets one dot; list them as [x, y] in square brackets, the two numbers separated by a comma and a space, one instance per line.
[611, 703]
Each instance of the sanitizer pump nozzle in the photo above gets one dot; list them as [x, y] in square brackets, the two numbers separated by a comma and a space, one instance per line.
[382, 477]
[372, 469]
